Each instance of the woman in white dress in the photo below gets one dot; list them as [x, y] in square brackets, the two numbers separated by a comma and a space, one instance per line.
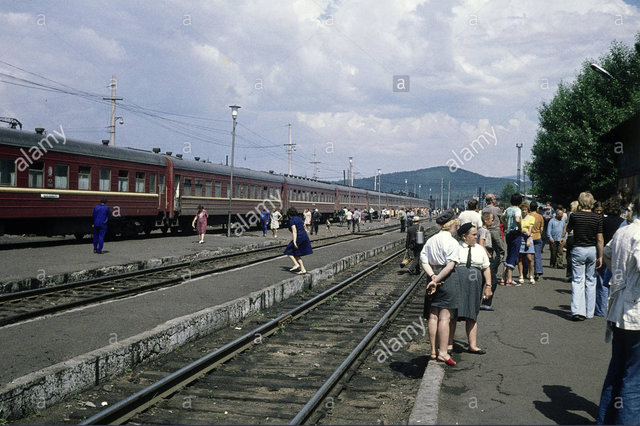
[275, 222]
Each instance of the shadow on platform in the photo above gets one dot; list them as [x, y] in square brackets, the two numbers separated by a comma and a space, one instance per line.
[564, 312]
[564, 404]
[413, 369]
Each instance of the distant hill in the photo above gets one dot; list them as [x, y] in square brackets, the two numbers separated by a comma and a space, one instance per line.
[464, 184]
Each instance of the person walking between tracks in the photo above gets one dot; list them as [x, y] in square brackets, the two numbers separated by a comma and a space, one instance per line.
[414, 244]
[402, 216]
[472, 271]
[275, 222]
[348, 216]
[101, 214]
[300, 244]
[265, 218]
[200, 223]
[512, 221]
[438, 259]
[586, 257]
[316, 218]
[620, 398]
[356, 220]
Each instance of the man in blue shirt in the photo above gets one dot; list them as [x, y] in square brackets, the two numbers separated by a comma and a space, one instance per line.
[555, 229]
[265, 218]
[101, 214]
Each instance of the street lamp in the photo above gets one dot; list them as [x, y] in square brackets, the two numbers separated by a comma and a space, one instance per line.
[597, 68]
[379, 190]
[234, 114]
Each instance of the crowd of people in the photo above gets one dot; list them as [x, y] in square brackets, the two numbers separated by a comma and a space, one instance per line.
[602, 245]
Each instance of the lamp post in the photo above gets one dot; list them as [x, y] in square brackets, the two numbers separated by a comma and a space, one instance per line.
[350, 178]
[234, 114]
[379, 190]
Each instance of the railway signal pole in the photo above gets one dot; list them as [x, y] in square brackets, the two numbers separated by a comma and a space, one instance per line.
[234, 114]
[315, 165]
[113, 99]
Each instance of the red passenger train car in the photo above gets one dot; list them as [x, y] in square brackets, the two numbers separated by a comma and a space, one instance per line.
[49, 185]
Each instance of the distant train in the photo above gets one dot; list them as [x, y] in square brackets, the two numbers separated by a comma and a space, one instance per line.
[49, 185]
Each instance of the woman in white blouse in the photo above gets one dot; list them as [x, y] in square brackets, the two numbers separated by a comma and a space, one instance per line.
[438, 259]
[472, 267]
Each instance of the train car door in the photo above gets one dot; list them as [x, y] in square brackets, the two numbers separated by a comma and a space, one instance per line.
[176, 198]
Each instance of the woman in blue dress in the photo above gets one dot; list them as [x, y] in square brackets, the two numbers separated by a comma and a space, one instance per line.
[300, 244]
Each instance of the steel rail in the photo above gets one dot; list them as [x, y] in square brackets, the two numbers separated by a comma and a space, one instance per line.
[137, 289]
[327, 387]
[141, 400]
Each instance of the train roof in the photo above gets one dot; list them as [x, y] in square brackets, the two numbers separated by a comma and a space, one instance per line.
[221, 169]
[56, 141]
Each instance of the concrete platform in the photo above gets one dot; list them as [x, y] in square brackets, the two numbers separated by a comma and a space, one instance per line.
[29, 268]
[540, 367]
[49, 358]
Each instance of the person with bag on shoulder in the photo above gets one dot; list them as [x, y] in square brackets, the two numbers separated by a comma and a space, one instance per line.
[414, 245]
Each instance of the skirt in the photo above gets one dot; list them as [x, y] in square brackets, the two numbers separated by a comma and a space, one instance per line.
[304, 248]
[470, 296]
[446, 295]
[523, 246]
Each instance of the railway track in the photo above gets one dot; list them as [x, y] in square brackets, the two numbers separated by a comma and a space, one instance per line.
[20, 306]
[287, 370]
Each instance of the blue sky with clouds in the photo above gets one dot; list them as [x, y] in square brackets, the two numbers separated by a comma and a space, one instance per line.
[475, 67]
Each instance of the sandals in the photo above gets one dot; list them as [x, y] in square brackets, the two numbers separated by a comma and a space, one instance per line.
[295, 268]
[302, 272]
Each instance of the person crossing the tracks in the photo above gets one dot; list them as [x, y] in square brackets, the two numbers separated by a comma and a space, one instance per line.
[414, 246]
[200, 223]
[300, 244]
[275, 221]
[265, 218]
[356, 220]
[438, 259]
[101, 214]
[348, 216]
[620, 397]
[307, 220]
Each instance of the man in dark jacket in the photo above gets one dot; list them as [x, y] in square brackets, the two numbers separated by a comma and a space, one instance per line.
[413, 246]
[316, 218]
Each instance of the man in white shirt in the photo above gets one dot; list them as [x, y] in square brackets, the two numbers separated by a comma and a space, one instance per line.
[471, 215]
[620, 398]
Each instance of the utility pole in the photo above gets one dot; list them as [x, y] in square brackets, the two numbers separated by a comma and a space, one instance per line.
[449, 194]
[314, 162]
[519, 146]
[291, 147]
[441, 193]
[113, 99]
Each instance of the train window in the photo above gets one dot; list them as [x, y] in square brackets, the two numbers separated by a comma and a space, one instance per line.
[105, 180]
[187, 187]
[271, 193]
[198, 192]
[238, 193]
[253, 191]
[61, 176]
[161, 184]
[84, 177]
[152, 183]
[7, 172]
[36, 175]
[276, 194]
[139, 181]
[123, 181]
[207, 188]
[218, 189]
[265, 191]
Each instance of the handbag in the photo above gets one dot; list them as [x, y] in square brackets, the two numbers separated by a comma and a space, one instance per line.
[405, 260]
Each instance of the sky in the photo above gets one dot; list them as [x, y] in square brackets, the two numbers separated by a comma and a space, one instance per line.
[396, 85]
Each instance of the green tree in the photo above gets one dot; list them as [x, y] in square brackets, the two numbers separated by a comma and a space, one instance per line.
[568, 157]
[507, 191]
